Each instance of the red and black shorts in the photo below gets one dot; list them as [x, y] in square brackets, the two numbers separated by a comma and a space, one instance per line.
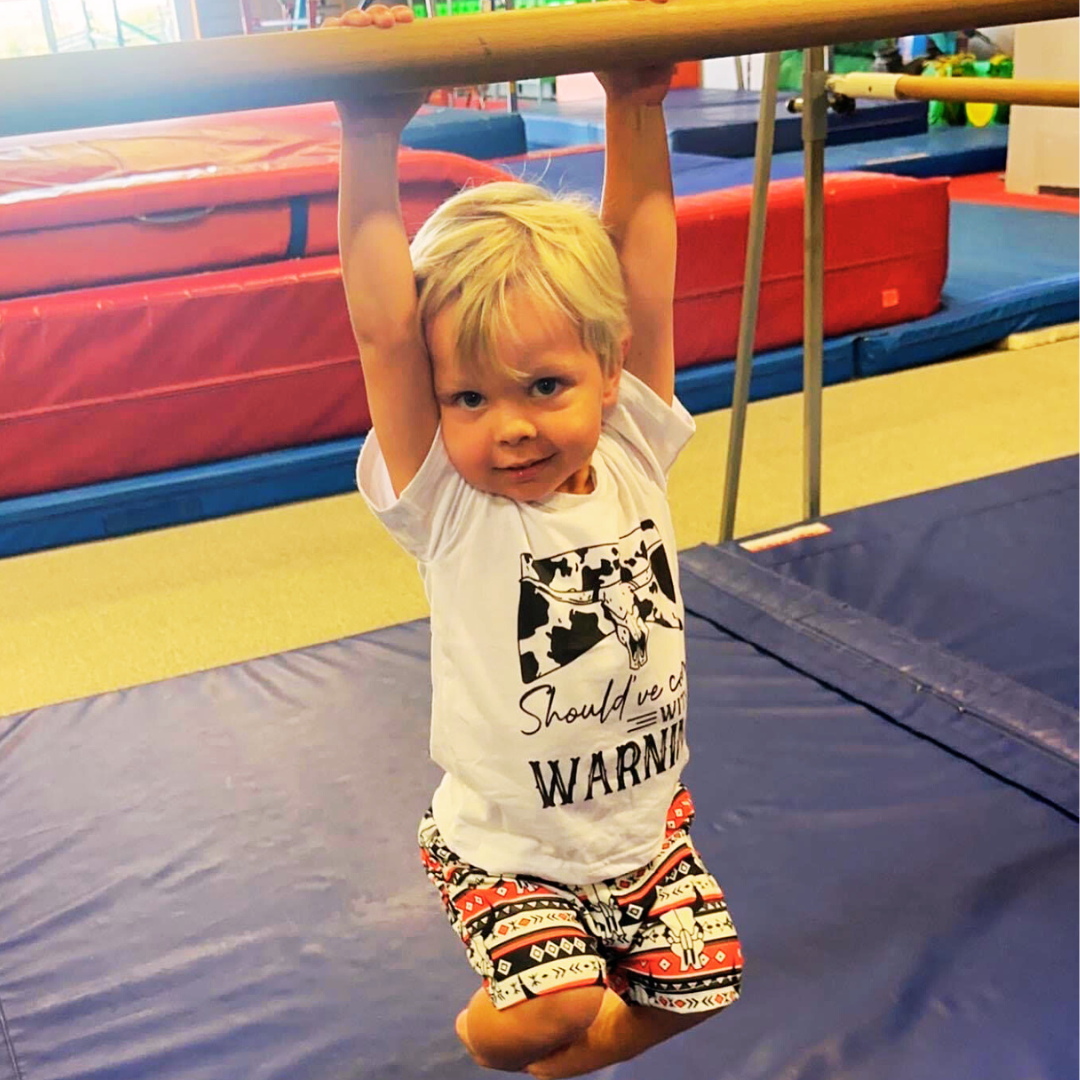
[658, 936]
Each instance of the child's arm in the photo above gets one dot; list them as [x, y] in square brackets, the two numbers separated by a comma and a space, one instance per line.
[638, 209]
[377, 272]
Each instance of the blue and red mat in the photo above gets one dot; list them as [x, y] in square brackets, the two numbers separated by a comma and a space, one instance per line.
[1010, 269]
[216, 876]
[1012, 264]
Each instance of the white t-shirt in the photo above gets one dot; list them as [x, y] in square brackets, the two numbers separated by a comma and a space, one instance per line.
[557, 655]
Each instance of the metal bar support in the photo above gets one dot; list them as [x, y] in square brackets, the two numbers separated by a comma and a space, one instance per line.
[50, 29]
[755, 247]
[511, 86]
[814, 132]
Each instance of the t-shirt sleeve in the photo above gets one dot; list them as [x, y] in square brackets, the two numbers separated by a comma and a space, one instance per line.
[426, 518]
[653, 430]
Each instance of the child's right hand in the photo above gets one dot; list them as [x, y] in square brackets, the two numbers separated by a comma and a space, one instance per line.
[376, 15]
[376, 114]
[637, 86]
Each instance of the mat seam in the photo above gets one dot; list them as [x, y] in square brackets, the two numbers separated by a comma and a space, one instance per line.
[914, 683]
[945, 698]
[9, 1043]
[918, 685]
[22, 717]
[847, 695]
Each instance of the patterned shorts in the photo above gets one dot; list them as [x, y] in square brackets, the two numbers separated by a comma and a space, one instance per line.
[658, 936]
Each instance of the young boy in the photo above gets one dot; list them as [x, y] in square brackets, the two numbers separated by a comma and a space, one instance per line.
[519, 368]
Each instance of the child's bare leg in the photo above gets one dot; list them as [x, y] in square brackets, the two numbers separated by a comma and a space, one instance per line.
[512, 1038]
[618, 1033]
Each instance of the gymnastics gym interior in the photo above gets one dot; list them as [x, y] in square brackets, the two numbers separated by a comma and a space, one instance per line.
[214, 683]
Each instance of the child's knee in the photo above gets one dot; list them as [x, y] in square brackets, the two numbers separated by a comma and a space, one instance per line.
[563, 1016]
[514, 1037]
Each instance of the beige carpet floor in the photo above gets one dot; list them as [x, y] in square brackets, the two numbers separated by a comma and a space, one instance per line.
[86, 619]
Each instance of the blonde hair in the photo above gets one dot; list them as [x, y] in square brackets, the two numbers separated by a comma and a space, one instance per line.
[486, 242]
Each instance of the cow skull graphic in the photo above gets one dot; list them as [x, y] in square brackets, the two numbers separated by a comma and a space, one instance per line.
[685, 938]
[571, 601]
[618, 604]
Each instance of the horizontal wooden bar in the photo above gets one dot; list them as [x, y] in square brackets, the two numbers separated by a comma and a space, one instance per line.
[991, 91]
[892, 87]
[114, 86]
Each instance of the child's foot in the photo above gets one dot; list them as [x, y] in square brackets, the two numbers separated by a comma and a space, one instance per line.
[462, 1029]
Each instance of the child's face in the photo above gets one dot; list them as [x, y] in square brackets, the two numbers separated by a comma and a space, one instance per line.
[527, 438]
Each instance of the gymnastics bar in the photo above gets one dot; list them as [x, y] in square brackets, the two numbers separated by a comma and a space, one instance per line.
[755, 252]
[871, 84]
[190, 78]
[813, 106]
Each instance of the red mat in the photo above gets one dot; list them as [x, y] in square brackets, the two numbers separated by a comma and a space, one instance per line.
[225, 348]
[989, 188]
[874, 276]
[152, 200]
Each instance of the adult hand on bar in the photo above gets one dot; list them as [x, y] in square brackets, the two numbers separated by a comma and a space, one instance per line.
[638, 85]
[384, 113]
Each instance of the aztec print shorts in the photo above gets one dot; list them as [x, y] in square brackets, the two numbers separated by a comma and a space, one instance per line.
[658, 936]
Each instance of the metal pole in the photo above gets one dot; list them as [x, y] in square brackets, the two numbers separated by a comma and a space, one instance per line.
[888, 87]
[511, 86]
[195, 25]
[755, 247]
[89, 25]
[47, 23]
[814, 131]
[119, 24]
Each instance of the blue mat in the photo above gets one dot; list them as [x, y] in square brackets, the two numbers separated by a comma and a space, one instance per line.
[721, 123]
[967, 569]
[951, 152]
[215, 876]
[960, 151]
[471, 132]
[1010, 270]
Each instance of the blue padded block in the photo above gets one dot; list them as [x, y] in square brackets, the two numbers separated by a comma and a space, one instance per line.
[176, 497]
[1010, 270]
[964, 327]
[960, 151]
[951, 152]
[720, 123]
[732, 132]
[706, 387]
[583, 172]
[471, 132]
[996, 249]
[552, 127]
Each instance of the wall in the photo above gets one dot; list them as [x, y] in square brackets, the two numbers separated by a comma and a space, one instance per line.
[1044, 143]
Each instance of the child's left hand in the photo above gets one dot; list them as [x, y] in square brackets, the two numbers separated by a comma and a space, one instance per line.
[638, 86]
[372, 113]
